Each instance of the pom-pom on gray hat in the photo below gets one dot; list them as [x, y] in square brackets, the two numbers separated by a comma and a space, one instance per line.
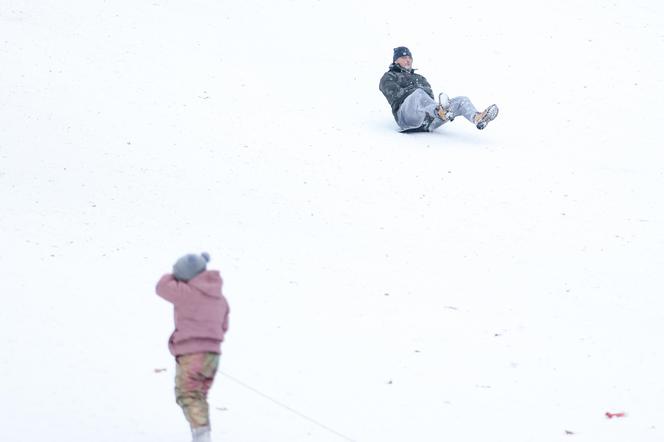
[190, 265]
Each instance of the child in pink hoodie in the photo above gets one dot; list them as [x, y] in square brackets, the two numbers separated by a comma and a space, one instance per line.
[201, 320]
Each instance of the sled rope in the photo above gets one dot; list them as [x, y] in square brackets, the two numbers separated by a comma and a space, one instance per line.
[286, 407]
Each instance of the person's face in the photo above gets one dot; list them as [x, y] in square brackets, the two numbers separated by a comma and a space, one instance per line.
[405, 61]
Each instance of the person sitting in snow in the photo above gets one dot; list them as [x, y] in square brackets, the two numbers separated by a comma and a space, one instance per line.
[412, 100]
[201, 320]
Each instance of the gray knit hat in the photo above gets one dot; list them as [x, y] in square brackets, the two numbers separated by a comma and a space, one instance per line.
[190, 265]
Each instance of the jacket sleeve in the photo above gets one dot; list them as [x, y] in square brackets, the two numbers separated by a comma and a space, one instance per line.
[390, 88]
[170, 288]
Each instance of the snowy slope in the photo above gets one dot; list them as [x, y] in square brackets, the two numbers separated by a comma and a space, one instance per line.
[501, 285]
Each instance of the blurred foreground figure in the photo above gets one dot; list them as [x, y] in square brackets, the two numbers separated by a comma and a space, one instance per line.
[201, 320]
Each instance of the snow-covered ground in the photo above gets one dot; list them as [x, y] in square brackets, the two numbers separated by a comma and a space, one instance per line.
[503, 285]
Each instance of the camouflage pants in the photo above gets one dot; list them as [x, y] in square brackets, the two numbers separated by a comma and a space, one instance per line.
[194, 374]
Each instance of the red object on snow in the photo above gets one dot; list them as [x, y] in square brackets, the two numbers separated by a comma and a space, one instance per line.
[612, 415]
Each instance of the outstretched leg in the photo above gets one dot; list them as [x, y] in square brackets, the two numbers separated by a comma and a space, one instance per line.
[463, 106]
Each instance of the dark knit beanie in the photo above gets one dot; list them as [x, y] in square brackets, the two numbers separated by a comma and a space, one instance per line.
[401, 51]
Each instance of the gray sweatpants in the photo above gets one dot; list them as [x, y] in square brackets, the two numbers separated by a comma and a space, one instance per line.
[414, 110]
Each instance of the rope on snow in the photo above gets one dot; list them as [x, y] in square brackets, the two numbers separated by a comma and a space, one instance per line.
[286, 407]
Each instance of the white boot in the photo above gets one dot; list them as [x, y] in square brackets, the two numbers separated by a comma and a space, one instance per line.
[200, 434]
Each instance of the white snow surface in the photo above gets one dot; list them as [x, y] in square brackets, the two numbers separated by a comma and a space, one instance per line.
[500, 285]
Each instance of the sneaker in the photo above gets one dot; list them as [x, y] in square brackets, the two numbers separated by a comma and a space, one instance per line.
[443, 108]
[483, 118]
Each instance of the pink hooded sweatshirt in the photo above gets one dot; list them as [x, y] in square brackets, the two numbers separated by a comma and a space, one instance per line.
[201, 312]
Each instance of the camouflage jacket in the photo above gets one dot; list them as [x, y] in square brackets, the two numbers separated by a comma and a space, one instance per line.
[398, 83]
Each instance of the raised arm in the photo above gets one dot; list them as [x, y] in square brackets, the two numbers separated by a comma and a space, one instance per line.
[170, 288]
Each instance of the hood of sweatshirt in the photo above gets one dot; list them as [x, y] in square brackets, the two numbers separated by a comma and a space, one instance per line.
[208, 282]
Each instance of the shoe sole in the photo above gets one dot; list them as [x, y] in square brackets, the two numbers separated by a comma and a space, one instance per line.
[445, 104]
[491, 114]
